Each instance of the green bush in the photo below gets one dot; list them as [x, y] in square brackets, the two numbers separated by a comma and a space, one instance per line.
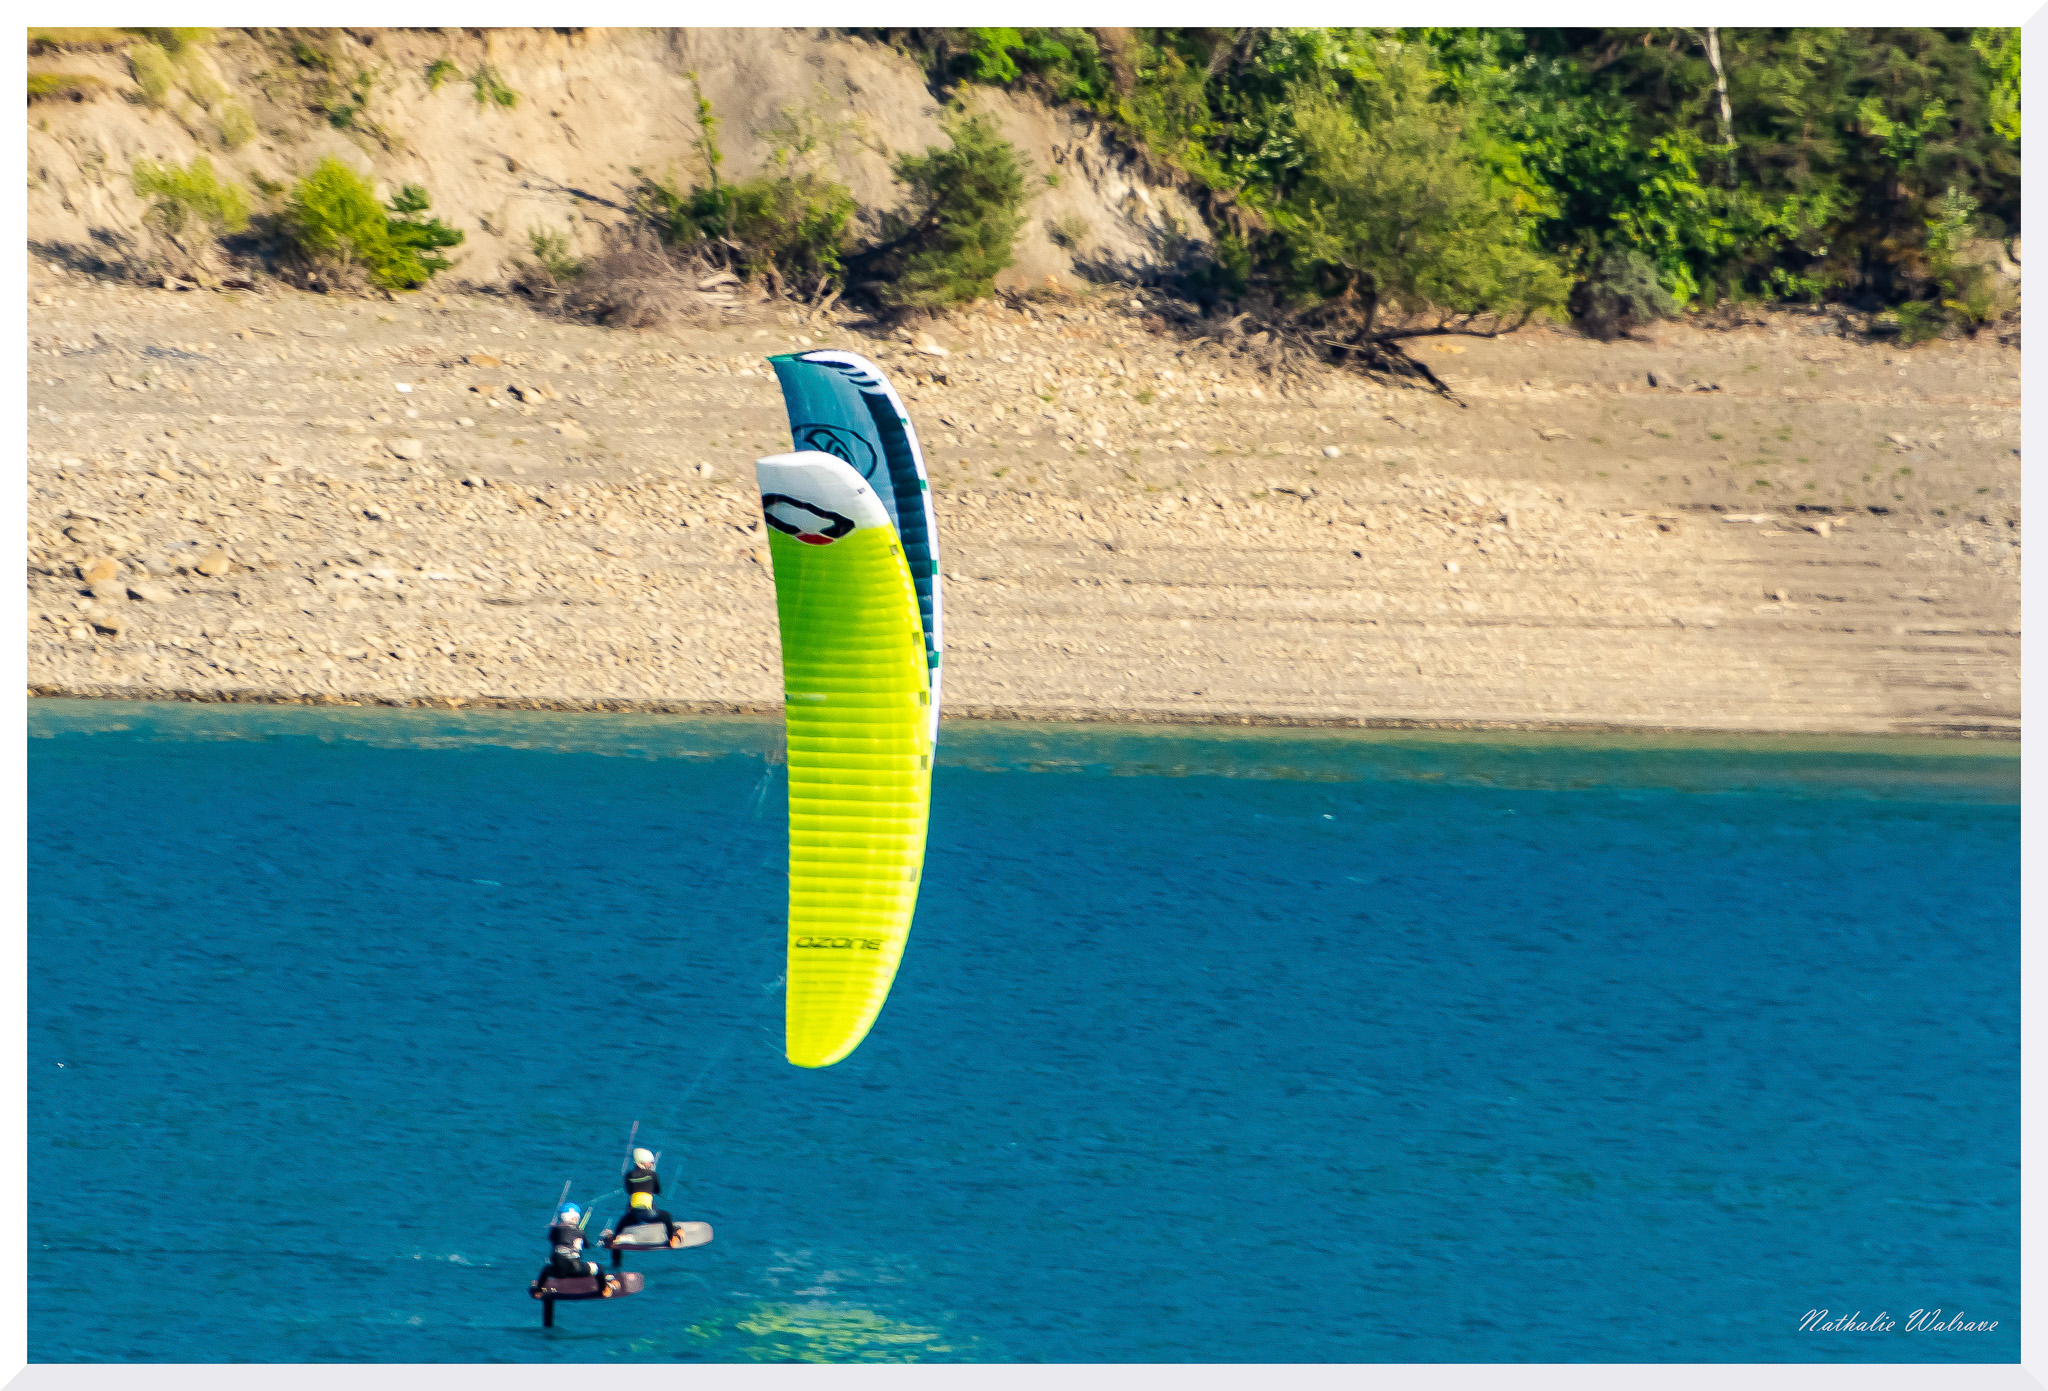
[190, 200]
[237, 127]
[1392, 206]
[966, 207]
[334, 213]
[1171, 113]
[795, 225]
[204, 89]
[491, 88]
[1066, 62]
[307, 56]
[1620, 292]
[333, 216]
[2000, 50]
[153, 71]
[439, 71]
[89, 40]
[792, 223]
[1970, 290]
[1919, 321]
[175, 40]
[63, 86]
[551, 251]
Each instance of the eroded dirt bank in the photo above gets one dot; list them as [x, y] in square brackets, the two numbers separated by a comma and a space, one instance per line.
[456, 500]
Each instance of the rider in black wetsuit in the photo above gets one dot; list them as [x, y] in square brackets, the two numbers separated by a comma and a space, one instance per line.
[642, 1186]
[565, 1236]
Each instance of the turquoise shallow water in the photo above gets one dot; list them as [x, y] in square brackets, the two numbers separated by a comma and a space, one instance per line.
[1268, 1046]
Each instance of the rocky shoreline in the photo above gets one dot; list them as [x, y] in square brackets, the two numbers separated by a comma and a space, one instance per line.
[459, 502]
[991, 713]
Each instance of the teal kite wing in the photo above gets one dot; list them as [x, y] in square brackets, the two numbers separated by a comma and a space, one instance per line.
[840, 404]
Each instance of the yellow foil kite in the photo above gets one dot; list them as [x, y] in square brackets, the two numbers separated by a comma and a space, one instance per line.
[856, 592]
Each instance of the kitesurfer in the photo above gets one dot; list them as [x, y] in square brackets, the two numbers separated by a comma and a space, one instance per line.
[565, 1260]
[642, 1185]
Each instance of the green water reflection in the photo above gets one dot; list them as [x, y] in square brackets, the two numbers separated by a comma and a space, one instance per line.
[1902, 768]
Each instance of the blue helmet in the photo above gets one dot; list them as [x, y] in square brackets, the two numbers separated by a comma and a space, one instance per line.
[568, 1212]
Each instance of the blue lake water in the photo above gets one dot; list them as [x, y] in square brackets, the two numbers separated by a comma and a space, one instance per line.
[1209, 1046]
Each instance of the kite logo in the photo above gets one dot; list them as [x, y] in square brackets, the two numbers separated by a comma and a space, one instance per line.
[840, 444]
[839, 943]
[812, 525]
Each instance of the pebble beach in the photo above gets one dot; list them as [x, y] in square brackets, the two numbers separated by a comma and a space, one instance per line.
[458, 501]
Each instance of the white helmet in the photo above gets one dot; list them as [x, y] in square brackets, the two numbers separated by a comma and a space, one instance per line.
[644, 1158]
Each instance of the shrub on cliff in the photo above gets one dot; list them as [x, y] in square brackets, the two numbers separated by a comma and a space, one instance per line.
[64, 86]
[959, 228]
[76, 40]
[189, 202]
[792, 228]
[176, 41]
[339, 230]
[1084, 65]
[190, 209]
[236, 126]
[153, 72]
[790, 224]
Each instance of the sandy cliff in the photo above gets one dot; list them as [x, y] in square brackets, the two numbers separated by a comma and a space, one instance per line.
[593, 106]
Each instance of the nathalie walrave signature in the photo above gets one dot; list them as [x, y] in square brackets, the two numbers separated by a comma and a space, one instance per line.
[1919, 1321]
